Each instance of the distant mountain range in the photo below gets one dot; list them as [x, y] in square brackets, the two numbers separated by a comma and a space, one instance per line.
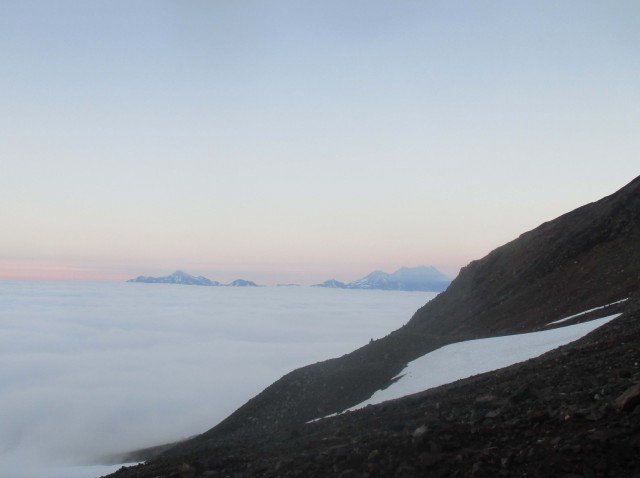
[421, 278]
[179, 277]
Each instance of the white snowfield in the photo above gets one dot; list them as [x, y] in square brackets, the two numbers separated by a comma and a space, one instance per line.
[464, 359]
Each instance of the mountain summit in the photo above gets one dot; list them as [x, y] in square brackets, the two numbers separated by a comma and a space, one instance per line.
[421, 278]
[178, 277]
[182, 278]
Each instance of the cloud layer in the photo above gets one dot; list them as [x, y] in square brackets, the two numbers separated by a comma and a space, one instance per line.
[90, 369]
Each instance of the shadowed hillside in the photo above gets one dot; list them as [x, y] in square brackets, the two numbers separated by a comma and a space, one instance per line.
[584, 259]
[573, 412]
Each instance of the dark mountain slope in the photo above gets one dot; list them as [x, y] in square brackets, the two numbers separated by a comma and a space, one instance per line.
[583, 259]
[558, 415]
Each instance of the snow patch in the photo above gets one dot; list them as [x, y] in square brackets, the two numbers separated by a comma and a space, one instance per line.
[586, 312]
[464, 359]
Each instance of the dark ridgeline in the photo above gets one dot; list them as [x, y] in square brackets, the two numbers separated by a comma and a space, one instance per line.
[559, 410]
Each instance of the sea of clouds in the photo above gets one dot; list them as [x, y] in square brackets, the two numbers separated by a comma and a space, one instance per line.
[93, 369]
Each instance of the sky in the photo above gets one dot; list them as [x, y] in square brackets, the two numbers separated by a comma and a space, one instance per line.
[298, 141]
